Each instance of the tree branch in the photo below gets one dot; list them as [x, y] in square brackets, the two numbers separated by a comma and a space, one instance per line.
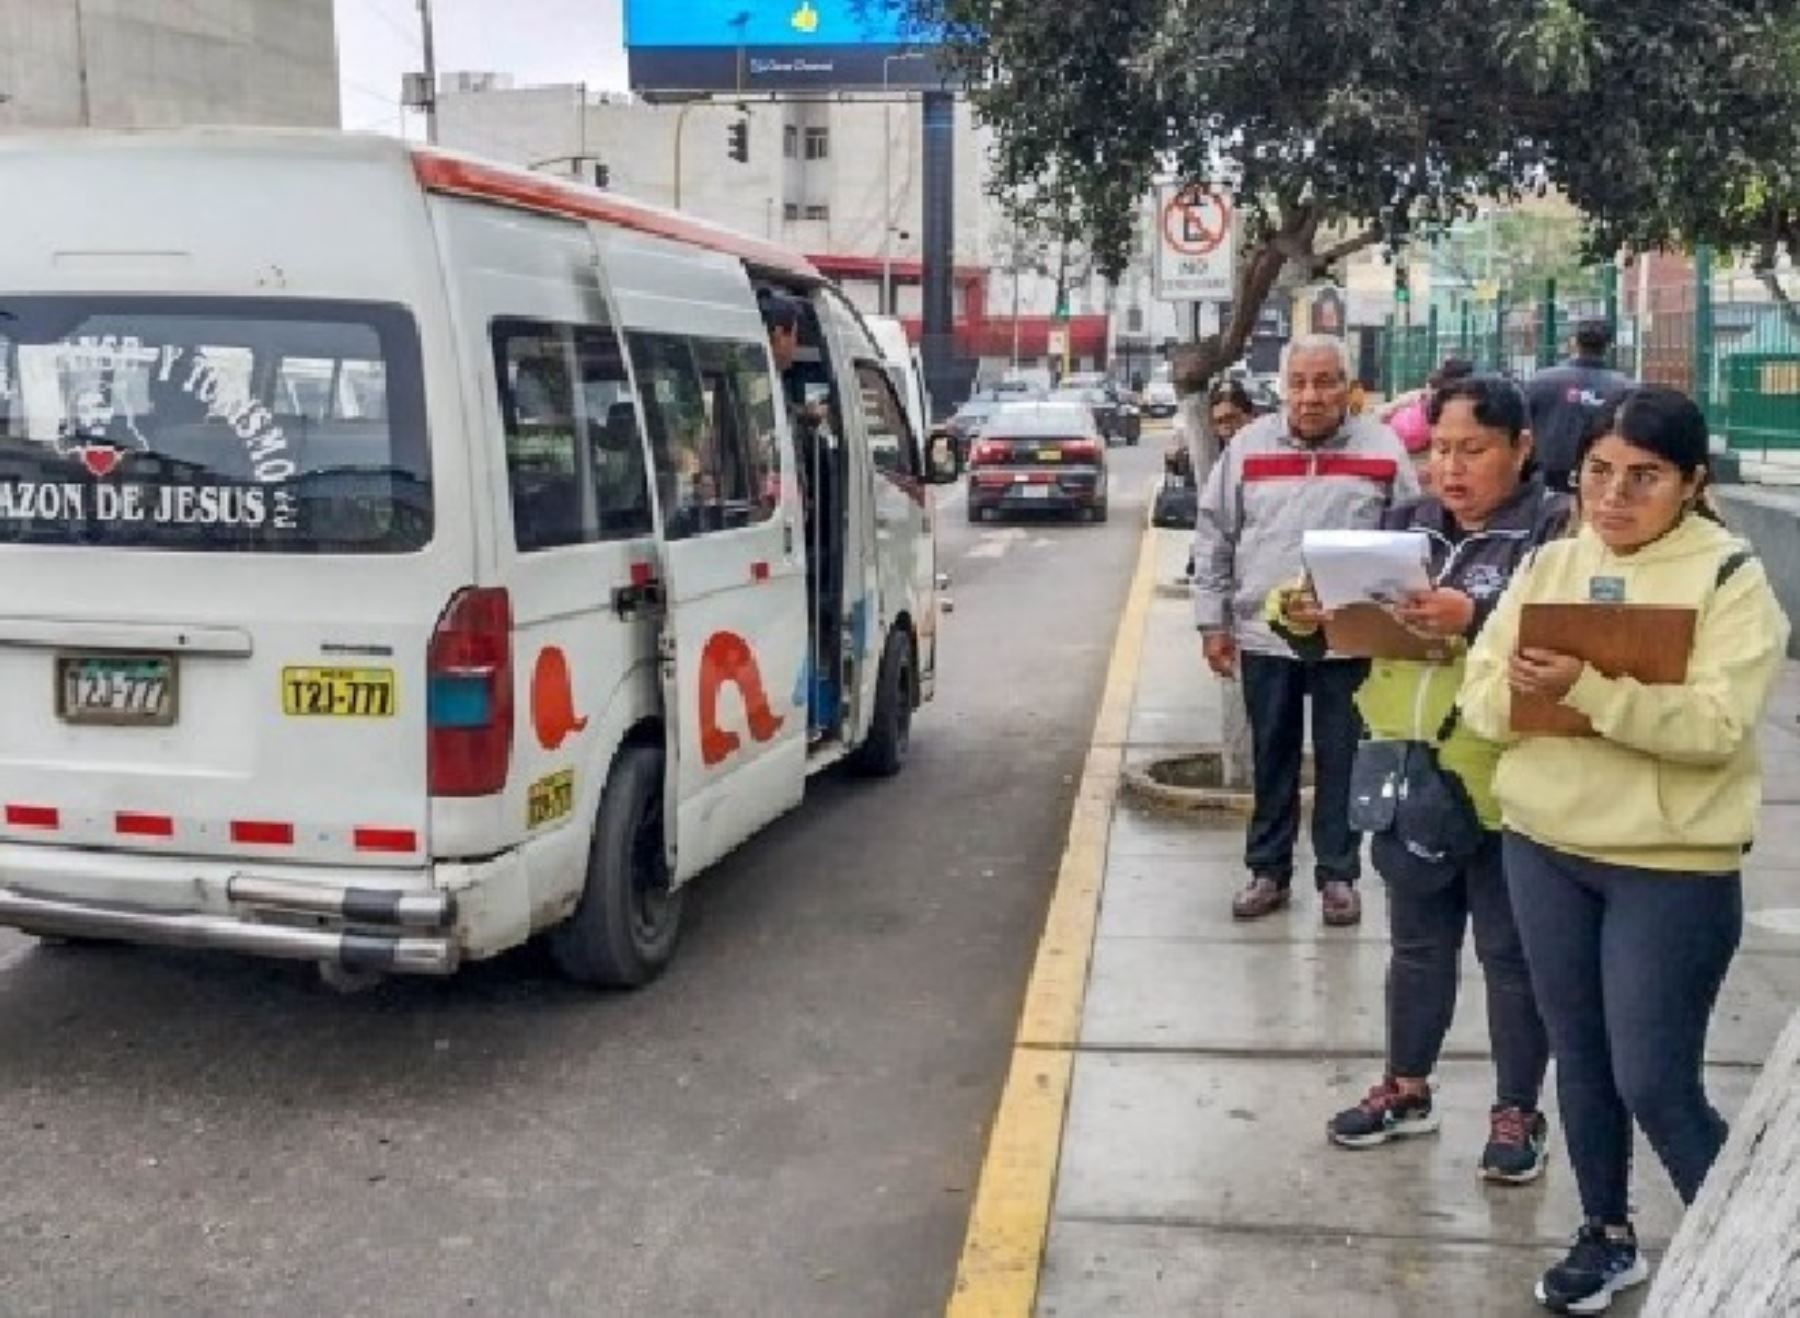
[1349, 247]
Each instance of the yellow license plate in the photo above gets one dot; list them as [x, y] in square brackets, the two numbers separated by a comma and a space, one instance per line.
[338, 692]
[550, 798]
[1049, 455]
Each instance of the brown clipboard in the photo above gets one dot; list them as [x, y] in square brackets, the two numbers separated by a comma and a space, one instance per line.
[1369, 631]
[1648, 642]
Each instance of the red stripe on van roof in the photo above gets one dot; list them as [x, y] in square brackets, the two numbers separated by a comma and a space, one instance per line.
[33, 816]
[439, 171]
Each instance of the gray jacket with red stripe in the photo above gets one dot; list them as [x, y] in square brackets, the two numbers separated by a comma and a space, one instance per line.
[1266, 491]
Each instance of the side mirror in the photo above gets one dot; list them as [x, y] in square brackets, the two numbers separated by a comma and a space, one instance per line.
[944, 467]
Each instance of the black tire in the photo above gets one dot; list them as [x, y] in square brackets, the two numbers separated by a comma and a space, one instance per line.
[1098, 512]
[624, 932]
[975, 515]
[890, 734]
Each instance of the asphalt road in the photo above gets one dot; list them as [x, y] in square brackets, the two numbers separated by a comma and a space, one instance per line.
[790, 1123]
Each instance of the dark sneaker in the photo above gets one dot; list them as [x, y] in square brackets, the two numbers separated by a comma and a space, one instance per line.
[1598, 1267]
[1264, 896]
[1387, 1113]
[1516, 1147]
[1342, 904]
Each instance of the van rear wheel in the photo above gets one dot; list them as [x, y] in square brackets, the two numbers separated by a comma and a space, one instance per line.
[890, 733]
[624, 932]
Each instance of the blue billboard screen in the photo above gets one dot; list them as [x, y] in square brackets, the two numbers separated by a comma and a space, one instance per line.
[766, 23]
[772, 45]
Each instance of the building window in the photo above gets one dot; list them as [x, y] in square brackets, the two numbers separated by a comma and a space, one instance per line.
[818, 143]
[790, 142]
[818, 212]
[790, 211]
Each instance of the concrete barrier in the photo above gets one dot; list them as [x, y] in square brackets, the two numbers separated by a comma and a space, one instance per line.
[1769, 518]
[1738, 1250]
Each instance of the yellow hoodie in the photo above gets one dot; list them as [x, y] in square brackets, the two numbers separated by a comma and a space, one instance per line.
[1674, 780]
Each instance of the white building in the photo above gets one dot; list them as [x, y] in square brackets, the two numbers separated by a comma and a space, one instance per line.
[160, 63]
[840, 179]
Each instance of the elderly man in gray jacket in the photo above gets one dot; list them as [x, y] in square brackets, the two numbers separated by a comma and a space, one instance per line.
[1312, 466]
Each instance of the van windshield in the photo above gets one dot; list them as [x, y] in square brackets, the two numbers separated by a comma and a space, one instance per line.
[272, 425]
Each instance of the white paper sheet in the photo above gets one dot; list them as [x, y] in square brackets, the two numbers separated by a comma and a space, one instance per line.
[1359, 567]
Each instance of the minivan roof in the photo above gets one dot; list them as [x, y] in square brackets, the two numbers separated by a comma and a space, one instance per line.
[436, 170]
[465, 176]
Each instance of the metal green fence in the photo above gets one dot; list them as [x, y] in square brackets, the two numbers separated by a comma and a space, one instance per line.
[1738, 354]
[1761, 404]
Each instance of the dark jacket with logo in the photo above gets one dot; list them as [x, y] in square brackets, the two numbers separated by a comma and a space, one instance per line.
[1409, 700]
[1564, 401]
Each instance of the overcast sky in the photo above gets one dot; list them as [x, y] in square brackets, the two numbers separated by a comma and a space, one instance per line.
[537, 41]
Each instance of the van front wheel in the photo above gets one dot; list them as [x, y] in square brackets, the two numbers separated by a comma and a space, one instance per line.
[624, 932]
[890, 733]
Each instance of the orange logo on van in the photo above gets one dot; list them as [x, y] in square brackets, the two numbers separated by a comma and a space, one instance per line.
[728, 658]
[553, 715]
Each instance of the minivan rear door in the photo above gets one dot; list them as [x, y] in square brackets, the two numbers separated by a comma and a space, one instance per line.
[216, 577]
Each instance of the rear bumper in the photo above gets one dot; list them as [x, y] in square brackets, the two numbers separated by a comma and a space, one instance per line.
[1011, 498]
[414, 922]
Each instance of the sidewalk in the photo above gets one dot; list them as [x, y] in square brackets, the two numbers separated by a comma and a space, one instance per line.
[1194, 1175]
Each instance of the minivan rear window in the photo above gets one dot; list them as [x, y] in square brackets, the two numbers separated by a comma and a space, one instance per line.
[273, 425]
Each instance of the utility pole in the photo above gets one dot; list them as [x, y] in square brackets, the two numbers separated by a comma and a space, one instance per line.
[431, 84]
[81, 67]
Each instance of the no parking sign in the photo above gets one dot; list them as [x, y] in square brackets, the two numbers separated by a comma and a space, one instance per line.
[1195, 246]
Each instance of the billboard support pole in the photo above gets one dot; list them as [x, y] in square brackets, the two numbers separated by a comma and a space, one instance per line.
[938, 109]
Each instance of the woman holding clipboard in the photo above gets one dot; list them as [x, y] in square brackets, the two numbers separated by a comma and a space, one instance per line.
[1624, 845]
[1441, 855]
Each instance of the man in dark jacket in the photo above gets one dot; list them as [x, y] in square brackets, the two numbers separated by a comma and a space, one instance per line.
[1565, 400]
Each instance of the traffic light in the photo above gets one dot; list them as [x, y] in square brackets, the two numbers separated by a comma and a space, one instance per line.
[602, 175]
[1402, 283]
[738, 135]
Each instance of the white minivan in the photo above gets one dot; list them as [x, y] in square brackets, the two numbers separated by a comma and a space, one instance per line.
[402, 556]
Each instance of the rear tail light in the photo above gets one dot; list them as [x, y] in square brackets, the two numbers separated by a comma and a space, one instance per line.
[469, 700]
[986, 452]
[1082, 450]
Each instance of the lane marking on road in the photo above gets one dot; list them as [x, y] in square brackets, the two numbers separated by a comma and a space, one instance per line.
[1003, 1250]
[10, 959]
[995, 544]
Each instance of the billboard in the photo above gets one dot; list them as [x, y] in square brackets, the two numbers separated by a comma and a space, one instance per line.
[772, 45]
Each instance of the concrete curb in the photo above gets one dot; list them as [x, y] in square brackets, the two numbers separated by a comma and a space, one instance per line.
[1003, 1249]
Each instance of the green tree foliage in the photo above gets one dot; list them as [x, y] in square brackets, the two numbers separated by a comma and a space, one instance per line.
[1340, 123]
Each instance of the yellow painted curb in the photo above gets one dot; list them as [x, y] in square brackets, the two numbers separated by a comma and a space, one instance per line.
[1003, 1250]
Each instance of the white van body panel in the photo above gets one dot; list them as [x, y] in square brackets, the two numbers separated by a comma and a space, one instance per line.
[230, 223]
[735, 634]
[698, 642]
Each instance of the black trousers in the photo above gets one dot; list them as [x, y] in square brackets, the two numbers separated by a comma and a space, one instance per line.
[1425, 966]
[1627, 964]
[1275, 695]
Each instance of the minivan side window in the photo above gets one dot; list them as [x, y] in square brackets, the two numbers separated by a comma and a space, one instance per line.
[890, 436]
[709, 405]
[574, 453]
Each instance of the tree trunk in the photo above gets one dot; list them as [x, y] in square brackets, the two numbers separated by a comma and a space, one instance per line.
[1234, 725]
[1738, 1250]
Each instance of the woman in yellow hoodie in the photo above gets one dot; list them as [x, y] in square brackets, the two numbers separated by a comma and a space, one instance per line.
[1623, 849]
